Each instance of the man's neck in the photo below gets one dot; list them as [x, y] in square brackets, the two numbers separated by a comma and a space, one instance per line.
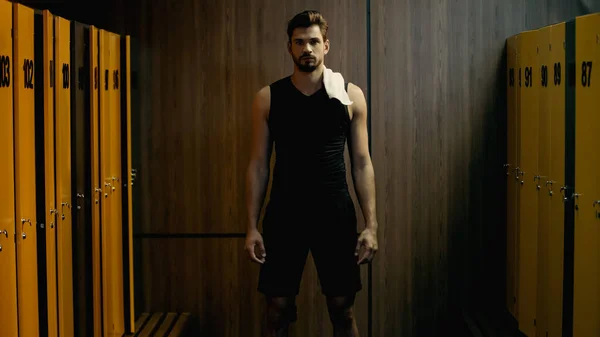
[308, 83]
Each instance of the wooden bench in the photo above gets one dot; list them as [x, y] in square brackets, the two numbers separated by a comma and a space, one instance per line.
[162, 324]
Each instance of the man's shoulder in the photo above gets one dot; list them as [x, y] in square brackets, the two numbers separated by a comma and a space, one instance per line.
[280, 82]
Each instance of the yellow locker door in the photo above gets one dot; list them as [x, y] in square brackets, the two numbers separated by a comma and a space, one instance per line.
[556, 181]
[543, 67]
[25, 194]
[586, 273]
[51, 213]
[46, 206]
[8, 259]
[511, 173]
[518, 173]
[104, 95]
[117, 257]
[127, 180]
[529, 148]
[63, 175]
[96, 186]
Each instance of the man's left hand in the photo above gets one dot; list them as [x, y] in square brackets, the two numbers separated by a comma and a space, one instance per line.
[367, 239]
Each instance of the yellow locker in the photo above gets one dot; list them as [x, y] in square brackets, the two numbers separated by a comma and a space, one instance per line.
[116, 230]
[44, 138]
[63, 175]
[25, 194]
[556, 181]
[528, 196]
[511, 174]
[127, 180]
[586, 267]
[8, 259]
[110, 170]
[51, 214]
[543, 67]
[95, 84]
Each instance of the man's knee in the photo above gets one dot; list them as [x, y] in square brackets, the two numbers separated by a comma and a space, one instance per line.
[341, 310]
[281, 311]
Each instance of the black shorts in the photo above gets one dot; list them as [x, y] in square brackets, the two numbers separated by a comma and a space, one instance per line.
[328, 229]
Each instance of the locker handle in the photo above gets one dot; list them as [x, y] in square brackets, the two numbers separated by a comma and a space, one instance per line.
[564, 189]
[4, 232]
[596, 202]
[538, 177]
[23, 221]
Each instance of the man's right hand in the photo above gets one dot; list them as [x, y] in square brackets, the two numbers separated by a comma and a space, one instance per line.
[253, 239]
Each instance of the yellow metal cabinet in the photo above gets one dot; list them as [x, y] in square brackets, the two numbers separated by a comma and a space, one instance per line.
[586, 192]
[8, 259]
[528, 196]
[95, 84]
[556, 181]
[63, 175]
[544, 198]
[511, 174]
[25, 166]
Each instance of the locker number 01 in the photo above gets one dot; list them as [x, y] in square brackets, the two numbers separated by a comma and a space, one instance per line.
[4, 71]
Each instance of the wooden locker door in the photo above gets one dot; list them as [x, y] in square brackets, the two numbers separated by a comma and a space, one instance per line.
[517, 175]
[8, 258]
[117, 226]
[95, 84]
[46, 206]
[586, 267]
[510, 167]
[543, 195]
[104, 95]
[25, 191]
[529, 146]
[80, 171]
[556, 181]
[127, 182]
[63, 175]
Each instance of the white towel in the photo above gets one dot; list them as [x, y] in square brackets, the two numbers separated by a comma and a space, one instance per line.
[334, 85]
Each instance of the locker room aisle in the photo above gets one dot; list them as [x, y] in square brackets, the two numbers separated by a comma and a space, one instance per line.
[125, 139]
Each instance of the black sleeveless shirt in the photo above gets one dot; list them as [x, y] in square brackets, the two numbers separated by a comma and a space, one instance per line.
[310, 135]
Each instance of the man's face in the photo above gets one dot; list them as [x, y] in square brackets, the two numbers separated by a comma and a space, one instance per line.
[308, 48]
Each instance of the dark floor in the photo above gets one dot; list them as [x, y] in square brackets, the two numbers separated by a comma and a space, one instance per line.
[498, 324]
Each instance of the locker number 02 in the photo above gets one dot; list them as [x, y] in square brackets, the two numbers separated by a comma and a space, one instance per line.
[4, 71]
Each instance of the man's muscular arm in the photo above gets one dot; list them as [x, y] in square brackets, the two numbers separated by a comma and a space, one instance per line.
[362, 172]
[257, 175]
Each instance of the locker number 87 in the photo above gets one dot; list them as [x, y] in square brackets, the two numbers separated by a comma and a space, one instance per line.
[586, 73]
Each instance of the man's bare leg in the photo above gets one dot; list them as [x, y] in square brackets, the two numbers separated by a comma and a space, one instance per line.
[281, 311]
[341, 313]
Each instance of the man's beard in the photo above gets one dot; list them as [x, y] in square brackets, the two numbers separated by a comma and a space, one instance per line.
[307, 67]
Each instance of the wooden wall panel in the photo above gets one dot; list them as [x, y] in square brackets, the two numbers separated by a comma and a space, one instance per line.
[438, 135]
[200, 88]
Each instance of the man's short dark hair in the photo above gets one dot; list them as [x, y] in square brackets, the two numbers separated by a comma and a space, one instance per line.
[306, 19]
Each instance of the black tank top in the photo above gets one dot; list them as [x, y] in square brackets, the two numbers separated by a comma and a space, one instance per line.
[310, 135]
